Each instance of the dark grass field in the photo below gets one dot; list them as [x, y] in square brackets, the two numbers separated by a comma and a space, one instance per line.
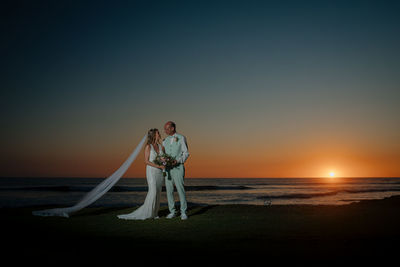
[365, 232]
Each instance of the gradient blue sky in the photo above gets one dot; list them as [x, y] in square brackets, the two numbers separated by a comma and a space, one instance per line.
[260, 88]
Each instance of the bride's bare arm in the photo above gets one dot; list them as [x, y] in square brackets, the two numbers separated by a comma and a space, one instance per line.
[147, 156]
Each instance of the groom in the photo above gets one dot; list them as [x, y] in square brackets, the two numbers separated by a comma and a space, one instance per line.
[175, 145]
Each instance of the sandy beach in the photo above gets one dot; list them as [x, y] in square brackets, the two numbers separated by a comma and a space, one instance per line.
[237, 234]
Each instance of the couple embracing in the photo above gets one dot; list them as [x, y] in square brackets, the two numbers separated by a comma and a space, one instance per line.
[175, 146]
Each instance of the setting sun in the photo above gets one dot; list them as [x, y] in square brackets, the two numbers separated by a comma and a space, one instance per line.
[332, 174]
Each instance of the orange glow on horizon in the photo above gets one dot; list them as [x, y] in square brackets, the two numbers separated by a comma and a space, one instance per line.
[213, 159]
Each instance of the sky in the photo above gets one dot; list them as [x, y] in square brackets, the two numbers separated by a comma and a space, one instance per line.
[259, 88]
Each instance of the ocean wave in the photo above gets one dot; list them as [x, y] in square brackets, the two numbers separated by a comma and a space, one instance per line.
[372, 190]
[330, 193]
[66, 188]
[187, 188]
[298, 195]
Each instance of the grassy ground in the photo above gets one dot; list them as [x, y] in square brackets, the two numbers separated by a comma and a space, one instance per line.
[235, 234]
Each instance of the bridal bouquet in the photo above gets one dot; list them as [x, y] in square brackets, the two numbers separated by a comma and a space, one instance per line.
[165, 160]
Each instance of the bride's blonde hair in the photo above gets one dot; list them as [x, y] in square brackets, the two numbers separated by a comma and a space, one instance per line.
[151, 136]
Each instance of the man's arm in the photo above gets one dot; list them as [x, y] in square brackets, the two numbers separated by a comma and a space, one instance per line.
[184, 151]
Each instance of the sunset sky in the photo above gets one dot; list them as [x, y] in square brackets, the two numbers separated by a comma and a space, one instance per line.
[259, 88]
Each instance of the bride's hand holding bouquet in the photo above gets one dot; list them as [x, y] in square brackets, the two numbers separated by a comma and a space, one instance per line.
[165, 162]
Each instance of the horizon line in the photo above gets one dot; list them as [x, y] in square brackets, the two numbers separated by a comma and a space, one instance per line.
[303, 177]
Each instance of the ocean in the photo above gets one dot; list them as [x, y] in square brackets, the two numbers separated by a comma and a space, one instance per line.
[61, 192]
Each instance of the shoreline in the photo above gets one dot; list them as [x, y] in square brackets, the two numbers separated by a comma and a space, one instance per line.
[193, 205]
[346, 202]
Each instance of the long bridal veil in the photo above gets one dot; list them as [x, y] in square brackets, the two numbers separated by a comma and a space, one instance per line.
[96, 192]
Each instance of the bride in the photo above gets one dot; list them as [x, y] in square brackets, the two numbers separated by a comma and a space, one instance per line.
[154, 177]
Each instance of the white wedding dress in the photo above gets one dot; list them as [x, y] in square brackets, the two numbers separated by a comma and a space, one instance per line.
[155, 180]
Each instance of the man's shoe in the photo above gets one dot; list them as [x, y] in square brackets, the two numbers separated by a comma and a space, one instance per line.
[184, 216]
[171, 215]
